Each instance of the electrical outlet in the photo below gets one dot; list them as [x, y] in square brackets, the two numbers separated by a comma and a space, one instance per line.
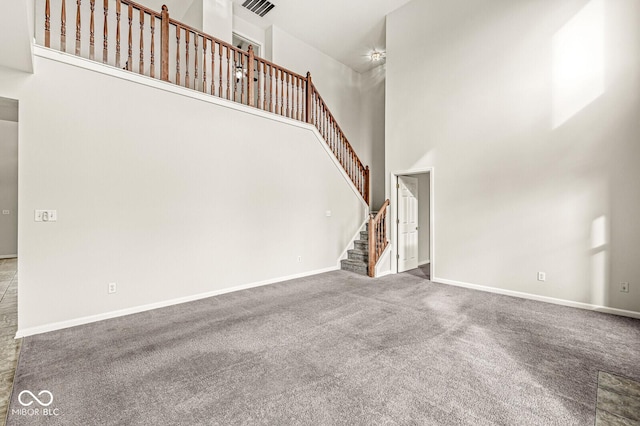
[542, 276]
[112, 288]
[6, 211]
[624, 287]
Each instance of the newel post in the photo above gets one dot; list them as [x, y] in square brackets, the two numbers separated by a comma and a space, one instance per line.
[309, 95]
[366, 185]
[164, 43]
[250, 71]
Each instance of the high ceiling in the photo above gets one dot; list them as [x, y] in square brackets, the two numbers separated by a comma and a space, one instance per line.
[347, 30]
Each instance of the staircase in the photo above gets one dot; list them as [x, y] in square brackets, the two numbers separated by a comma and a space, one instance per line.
[358, 257]
[364, 256]
[211, 66]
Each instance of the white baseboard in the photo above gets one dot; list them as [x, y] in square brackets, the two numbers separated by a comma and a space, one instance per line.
[8, 256]
[426, 262]
[137, 309]
[385, 273]
[522, 295]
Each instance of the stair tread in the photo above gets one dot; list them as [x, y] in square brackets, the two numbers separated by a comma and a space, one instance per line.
[357, 251]
[354, 262]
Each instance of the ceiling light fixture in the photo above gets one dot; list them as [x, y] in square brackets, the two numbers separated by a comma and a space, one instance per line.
[377, 56]
[240, 72]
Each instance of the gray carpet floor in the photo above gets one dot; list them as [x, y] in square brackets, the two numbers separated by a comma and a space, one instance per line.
[334, 348]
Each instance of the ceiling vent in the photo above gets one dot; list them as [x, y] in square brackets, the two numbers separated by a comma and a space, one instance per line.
[259, 7]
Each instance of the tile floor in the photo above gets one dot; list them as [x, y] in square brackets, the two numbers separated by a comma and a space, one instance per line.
[618, 401]
[9, 347]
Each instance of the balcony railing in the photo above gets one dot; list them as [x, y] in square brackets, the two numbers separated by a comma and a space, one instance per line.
[133, 37]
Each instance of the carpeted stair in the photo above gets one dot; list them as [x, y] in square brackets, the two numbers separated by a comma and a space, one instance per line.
[358, 257]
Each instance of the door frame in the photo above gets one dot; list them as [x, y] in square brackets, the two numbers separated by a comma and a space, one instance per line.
[250, 40]
[393, 200]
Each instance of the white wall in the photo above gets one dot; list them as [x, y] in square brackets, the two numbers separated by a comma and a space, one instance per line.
[172, 197]
[8, 187]
[213, 17]
[217, 18]
[186, 11]
[372, 130]
[16, 33]
[268, 44]
[517, 190]
[250, 31]
[338, 84]
[356, 100]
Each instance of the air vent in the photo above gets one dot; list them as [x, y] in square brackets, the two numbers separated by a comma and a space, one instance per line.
[259, 7]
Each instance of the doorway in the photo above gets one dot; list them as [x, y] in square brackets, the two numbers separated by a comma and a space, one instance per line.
[408, 228]
[8, 178]
[8, 241]
[412, 213]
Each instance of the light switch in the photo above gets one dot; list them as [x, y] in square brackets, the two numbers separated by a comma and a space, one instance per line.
[46, 215]
[328, 213]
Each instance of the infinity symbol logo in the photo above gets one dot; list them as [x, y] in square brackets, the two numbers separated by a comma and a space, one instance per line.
[35, 398]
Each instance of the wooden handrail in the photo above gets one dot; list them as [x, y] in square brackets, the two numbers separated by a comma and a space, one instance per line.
[331, 116]
[377, 237]
[360, 178]
[195, 60]
[139, 7]
[292, 73]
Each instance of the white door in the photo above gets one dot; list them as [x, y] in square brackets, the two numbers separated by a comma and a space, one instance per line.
[407, 223]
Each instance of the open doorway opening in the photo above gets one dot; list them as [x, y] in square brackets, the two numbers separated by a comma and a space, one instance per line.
[8, 178]
[8, 243]
[243, 42]
[413, 236]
